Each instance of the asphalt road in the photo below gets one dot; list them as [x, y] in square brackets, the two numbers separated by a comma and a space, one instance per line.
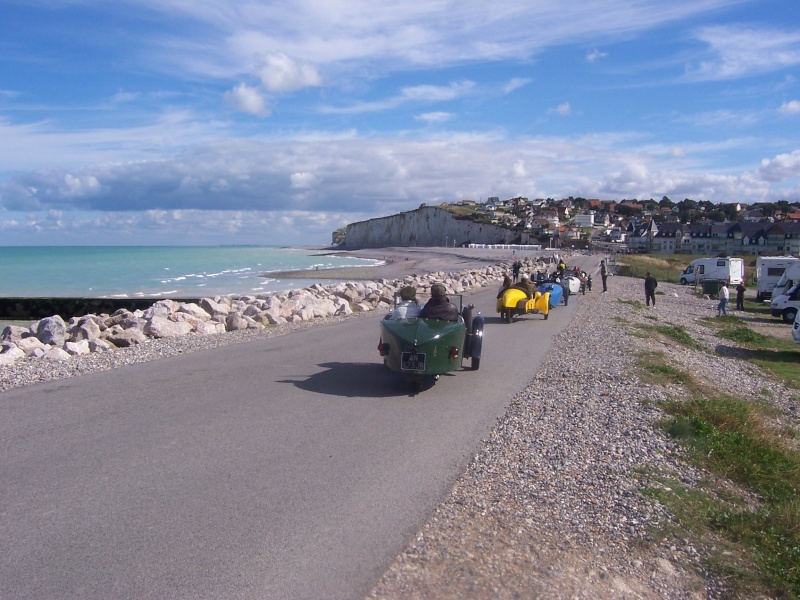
[294, 467]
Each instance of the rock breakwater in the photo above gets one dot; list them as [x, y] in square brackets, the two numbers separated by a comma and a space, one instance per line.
[54, 339]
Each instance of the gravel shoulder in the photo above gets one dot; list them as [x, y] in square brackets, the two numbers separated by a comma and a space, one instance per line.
[551, 507]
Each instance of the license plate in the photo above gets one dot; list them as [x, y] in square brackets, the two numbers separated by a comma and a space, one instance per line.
[410, 361]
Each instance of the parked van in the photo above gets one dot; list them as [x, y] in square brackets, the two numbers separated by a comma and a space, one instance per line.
[790, 277]
[769, 270]
[722, 268]
[787, 305]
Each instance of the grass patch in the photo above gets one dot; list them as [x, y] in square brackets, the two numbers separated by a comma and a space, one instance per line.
[776, 355]
[634, 303]
[659, 372]
[731, 438]
[674, 332]
[743, 335]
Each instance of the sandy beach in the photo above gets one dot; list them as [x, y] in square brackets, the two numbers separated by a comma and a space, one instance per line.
[400, 262]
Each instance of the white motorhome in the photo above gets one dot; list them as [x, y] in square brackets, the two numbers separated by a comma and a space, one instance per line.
[790, 277]
[786, 305]
[769, 270]
[722, 268]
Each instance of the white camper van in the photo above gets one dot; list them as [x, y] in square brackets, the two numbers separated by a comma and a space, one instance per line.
[789, 278]
[769, 270]
[786, 305]
[722, 268]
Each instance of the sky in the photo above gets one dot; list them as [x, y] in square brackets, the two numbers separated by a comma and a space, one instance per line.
[183, 122]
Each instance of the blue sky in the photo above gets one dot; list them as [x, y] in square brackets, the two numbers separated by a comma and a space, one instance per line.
[222, 122]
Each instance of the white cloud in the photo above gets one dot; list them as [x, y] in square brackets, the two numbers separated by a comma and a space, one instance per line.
[781, 168]
[741, 51]
[515, 84]
[595, 55]
[790, 108]
[247, 99]
[408, 95]
[279, 72]
[434, 117]
[303, 180]
[562, 109]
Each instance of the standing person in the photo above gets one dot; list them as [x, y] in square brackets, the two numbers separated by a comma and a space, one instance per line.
[740, 290]
[516, 268]
[565, 287]
[604, 274]
[724, 296]
[650, 285]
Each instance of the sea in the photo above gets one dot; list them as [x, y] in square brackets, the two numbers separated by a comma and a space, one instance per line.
[158, 271]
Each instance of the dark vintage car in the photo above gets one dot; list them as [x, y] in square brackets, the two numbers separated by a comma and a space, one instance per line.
[423, 349]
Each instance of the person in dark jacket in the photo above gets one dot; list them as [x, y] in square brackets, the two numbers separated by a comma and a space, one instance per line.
[439, 307]
[740, 290]
[604, 275]
[650, 285]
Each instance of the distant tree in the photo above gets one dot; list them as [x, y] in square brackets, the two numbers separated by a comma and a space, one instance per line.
[716, 215]
[628, 211]
[707, 205]
[666, 203]
[767, 209]
[649, 204]
[730, 211]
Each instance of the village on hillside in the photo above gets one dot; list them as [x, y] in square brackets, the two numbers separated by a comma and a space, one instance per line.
[644, 226]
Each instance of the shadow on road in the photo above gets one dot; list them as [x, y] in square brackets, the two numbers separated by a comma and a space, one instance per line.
[369, 380]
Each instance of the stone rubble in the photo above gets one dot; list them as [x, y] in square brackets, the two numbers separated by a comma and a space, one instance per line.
[551, 506]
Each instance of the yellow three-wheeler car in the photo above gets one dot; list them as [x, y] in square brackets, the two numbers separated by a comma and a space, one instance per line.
[515, 301]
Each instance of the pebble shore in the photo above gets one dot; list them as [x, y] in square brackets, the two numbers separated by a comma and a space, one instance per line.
[551, 506]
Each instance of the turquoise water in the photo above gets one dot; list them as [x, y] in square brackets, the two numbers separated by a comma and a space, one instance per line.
[150, 271]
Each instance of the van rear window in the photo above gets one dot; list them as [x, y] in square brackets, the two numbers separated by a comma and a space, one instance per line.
[775, 271]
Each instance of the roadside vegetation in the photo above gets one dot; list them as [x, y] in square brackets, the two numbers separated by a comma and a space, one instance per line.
[668, 267]
[745, 513]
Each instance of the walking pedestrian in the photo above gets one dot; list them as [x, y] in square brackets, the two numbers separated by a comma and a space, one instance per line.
[740, 290]
[724, 296]
[604, 274]
[650, 285]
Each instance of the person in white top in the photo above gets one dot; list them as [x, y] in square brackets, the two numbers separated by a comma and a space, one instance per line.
[724, 296]
[408, 307]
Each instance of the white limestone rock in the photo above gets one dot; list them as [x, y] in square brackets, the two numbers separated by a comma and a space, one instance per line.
[193, 309]
[85, 329]
[77, 348]
[125, 338]
[52, 330]
[209, 328]
[235, 322]
[55, 354]
[213, 307]
[29, 345]
[13, 333]
[96, 346]
[160, 326]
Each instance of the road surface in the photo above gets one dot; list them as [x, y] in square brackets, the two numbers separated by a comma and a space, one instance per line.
[292, 467]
